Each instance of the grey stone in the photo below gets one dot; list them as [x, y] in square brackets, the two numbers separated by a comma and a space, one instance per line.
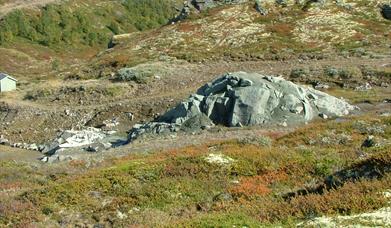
[245, 99]
[33, 147]
[199, 122]
[364, 87]
[97, 147]
[323, 116]
[321, 86]
[4, 141]
[263, 100]
[282, 2]
[386, 11]
[51, 148]
[260, 8]
[152, 128]
[369, 141]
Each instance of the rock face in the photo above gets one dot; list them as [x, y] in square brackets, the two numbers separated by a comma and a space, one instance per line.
[245, 99]
[242, 99]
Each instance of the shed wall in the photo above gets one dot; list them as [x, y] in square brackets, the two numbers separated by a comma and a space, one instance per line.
[7, 85]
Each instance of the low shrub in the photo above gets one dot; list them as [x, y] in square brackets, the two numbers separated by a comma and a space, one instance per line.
[299, 73]
[350, 73]
[130, 74]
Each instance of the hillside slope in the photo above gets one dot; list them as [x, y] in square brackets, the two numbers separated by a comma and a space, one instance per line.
[39, 36]
[9, 6]
[239, 32]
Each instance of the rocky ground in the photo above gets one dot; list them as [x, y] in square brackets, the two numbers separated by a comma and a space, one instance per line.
[200, 177]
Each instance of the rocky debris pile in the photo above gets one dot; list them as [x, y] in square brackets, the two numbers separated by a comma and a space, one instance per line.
[245, 99]
[364, 87]
[27, 146]
[386, 11]
[90, 139]
[152, 128]
[110, 123]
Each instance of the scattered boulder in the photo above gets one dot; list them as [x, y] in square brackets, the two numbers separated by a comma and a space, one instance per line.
[260, 8]
[364, 87]
[152, 128]
[98, 146]
[386, 11]
[321, 86]
[323, 116]
[197, 122]
[4, 141]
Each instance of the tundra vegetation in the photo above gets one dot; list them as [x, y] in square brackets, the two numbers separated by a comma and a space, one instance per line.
[259, 183]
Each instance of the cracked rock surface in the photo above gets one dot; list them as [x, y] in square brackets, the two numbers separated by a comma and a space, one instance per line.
[246, 99]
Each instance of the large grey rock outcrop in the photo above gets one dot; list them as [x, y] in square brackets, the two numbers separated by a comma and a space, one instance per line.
[242, 99]
[245, 99]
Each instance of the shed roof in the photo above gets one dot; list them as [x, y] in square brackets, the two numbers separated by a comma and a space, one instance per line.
[3, 75]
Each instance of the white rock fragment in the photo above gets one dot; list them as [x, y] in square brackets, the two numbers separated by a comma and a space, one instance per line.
[219, 159]
[81, 138]
[379, 218]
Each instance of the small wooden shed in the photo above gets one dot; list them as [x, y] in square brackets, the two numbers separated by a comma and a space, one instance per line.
[7, 83]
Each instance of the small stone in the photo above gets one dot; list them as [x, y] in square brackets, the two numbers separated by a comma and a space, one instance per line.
[323, 116]
[121, 215]
[130, 116]
[283, 124]
[67, 112]
[369, 142]
[33, 147]
[365, 87]
[45, 159]
[4, 141]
